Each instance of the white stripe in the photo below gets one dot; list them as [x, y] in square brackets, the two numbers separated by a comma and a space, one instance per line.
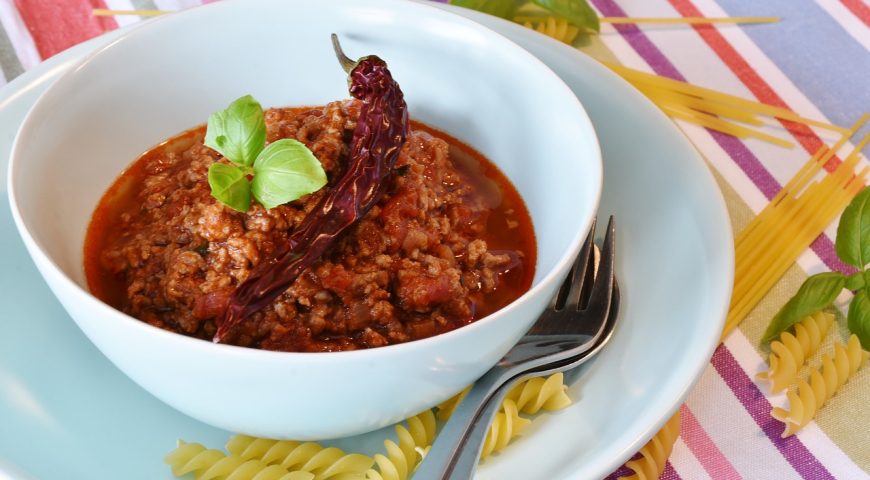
[691, 56]
[173, 5]
[123, 20]
[816, 441]
[694, 59]
[686, 464]
[19, 36]
[782, 86]
[716, 156]
[719, 159]
[786, 163]
[850, 23]
[734, 431]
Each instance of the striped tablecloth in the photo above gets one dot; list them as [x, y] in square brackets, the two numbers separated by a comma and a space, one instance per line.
[816, 61]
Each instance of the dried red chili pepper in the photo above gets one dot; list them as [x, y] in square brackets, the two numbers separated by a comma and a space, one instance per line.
[379, 136]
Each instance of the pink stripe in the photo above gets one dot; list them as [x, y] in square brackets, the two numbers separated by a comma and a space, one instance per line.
[702, 446]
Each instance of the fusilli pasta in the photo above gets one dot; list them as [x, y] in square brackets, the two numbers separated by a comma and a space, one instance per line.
[207, 464]
[654, 455]
[809, 397]
[557, 28]
[446, 408]
[529, 397]
[791, 350]
[251, 458]
[506, 425]
[324, 463]
[402, 458]
[535, 394]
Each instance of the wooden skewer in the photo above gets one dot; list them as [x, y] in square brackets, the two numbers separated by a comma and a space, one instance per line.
[104, 12]
[687, 20]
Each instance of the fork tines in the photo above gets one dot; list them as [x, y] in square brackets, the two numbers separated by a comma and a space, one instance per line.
[577, 291]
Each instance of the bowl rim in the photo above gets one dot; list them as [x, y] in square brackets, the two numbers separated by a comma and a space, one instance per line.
[41, 258]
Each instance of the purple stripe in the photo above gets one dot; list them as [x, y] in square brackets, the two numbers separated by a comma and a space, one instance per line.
[755, 403]
[623, 471]
[670, 473]
[824, 248]
[739, 153]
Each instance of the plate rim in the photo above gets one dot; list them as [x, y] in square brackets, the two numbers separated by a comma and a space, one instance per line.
[513, 31]
[47, 71]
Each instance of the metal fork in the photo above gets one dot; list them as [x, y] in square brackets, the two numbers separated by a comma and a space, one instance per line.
[575, 326]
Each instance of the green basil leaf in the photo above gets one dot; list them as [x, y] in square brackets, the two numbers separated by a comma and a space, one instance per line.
[230, 186]
[239, 132]
[859, 318]
[856, 281]
[285, 171]
[853, 232]
[576, 12]
[499, 8]
[816, 293]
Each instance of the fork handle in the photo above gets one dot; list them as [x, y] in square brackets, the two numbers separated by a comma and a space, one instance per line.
[464, 462]
[450, 442]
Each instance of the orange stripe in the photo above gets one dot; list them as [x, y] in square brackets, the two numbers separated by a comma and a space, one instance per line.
[753, 81]
[859, 9]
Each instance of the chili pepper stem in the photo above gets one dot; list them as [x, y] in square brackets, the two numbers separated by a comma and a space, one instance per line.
[346, 63]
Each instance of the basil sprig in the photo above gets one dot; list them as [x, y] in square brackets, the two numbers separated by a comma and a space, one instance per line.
[576, 12]
[282, 172]
[819, 291]
[499, 8]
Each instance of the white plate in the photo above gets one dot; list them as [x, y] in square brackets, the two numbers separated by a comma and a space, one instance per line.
[66, 412]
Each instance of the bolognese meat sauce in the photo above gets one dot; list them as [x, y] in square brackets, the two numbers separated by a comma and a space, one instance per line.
[449, 242]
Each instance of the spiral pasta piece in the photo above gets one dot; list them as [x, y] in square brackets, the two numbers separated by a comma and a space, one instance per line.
[535, 394]
[323, 463]
[208, 464]
[506, 425]
[446, 408]
[401, 459]
[654, 455]
[557, 28]
[810, 397]
[530, 396]
[191, 457]
[252, 458]
[791, 350]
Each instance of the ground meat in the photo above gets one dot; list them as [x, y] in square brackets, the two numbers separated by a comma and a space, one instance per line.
[417, 265]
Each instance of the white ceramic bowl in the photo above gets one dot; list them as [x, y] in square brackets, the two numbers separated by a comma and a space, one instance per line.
[168, 75]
